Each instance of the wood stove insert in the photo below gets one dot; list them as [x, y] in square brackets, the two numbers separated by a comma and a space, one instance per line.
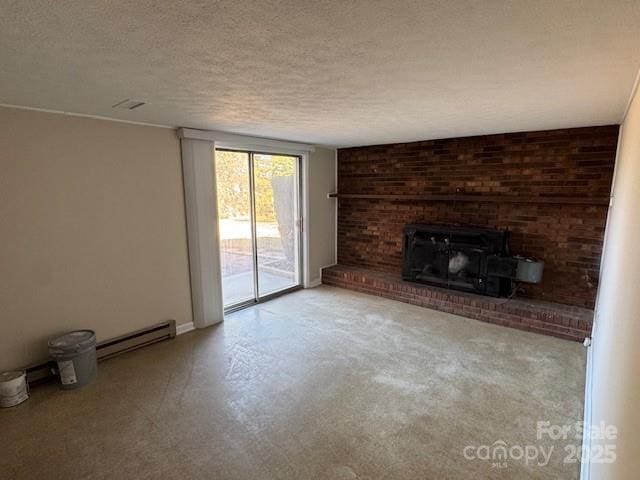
[462, 258]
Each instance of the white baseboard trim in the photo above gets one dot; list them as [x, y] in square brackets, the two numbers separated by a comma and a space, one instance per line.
[318, 281]
[184, 328]
[314, 283]
[327, 266]
[585, 467]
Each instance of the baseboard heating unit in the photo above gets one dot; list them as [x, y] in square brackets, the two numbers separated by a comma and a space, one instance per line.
[42, 372]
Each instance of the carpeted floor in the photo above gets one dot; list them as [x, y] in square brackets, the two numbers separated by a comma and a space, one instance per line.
[323, 383]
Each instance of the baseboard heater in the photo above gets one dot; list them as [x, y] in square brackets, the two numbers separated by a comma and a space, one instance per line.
[42, 372]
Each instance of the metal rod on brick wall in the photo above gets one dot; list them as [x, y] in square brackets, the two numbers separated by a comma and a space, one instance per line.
[594, 201]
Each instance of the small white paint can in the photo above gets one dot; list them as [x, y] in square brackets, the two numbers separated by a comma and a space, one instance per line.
[13, 388]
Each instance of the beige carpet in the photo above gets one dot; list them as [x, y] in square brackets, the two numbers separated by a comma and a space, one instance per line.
[323, 383]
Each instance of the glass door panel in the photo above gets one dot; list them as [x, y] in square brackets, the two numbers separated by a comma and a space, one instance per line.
[233, 184]
[276, 184]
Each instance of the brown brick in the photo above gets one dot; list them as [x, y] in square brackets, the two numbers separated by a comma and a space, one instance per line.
[568, 162]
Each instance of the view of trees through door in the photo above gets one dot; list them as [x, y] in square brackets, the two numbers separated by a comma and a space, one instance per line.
[258, 219]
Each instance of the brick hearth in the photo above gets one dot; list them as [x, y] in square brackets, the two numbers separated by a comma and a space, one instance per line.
[563, 321]
[527, 183]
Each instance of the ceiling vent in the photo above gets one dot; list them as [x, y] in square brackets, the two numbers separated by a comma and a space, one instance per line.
[128, 104]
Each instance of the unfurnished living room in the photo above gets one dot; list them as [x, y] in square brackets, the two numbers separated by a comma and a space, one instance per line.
[288, 239]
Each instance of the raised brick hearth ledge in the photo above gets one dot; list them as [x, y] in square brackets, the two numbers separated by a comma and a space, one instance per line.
[563, 321]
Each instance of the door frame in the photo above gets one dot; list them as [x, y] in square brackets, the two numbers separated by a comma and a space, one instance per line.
[197, 148]
[299, 218]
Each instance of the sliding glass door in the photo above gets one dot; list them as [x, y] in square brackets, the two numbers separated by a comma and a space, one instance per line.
[233, 185]
[259, 221]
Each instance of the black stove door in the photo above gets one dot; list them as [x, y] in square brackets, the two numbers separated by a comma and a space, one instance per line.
[466, 268]
[428, 259]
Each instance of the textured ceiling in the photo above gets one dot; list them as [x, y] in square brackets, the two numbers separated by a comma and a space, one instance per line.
[331, 72]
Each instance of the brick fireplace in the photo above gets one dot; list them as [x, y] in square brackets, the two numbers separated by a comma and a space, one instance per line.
[548, 189]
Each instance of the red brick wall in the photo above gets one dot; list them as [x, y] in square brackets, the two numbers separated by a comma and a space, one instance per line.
[559, 163]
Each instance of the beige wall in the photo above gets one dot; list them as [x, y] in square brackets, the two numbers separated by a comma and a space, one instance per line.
[322, 211]
[92, 230]
[615, 371]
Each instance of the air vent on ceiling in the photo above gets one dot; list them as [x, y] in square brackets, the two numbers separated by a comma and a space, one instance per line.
[129, 104]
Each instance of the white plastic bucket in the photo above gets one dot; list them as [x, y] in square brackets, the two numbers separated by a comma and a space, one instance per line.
[75, 353]
[13, 388]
